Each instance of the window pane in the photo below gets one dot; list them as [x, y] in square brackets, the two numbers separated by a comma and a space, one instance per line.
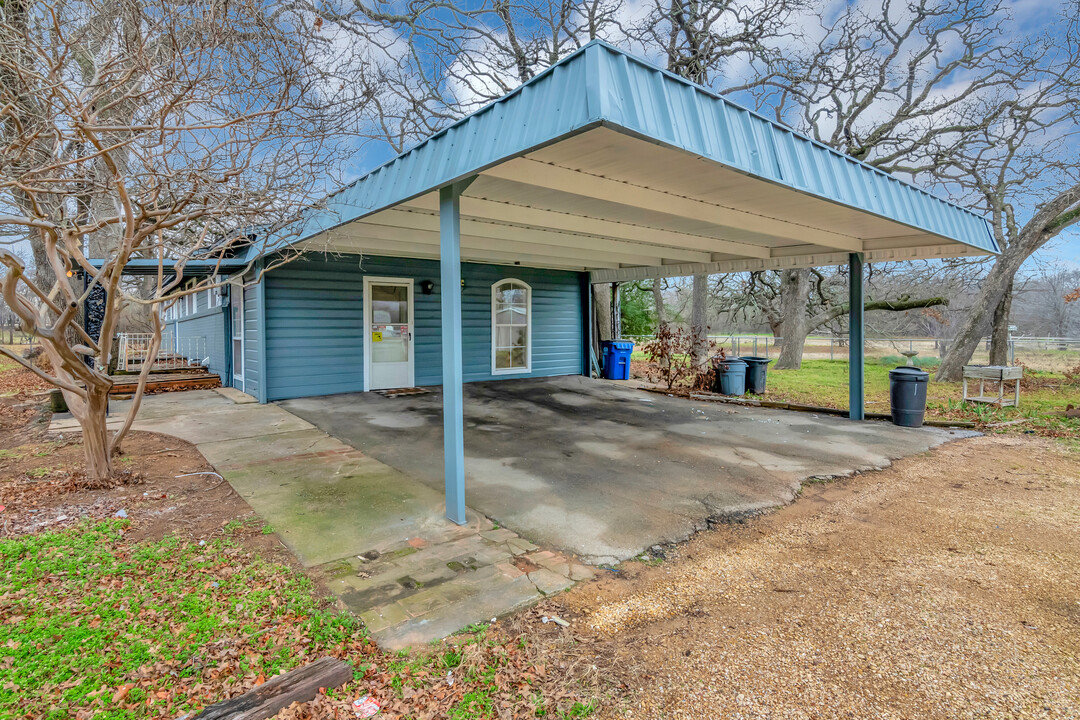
[389, 304]
[510, 331]
[502, 337]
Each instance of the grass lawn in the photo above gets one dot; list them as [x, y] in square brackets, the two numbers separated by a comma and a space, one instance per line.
[89, 621]
[95, 626]
[825, 383]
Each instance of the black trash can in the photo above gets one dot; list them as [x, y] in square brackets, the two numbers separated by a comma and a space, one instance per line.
[907, 395]
[756, 370]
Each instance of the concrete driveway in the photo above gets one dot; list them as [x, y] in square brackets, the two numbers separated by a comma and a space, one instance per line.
[606, 471]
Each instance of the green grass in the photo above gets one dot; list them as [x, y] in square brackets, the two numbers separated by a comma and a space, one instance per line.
[95, 626]
[83, 612]
[825, 383]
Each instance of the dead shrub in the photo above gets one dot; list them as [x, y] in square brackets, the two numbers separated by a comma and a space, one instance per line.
[669, 355]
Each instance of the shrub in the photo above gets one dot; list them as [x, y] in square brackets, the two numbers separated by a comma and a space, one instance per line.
[669, 356]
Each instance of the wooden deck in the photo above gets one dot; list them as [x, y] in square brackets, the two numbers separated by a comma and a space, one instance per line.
[165, 382]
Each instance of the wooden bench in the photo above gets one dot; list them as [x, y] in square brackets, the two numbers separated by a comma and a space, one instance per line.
[994, 373]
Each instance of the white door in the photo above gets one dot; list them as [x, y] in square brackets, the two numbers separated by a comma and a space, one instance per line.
[236, 308]
[388, 324]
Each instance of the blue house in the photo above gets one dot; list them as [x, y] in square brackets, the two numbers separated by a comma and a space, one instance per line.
[471, 256]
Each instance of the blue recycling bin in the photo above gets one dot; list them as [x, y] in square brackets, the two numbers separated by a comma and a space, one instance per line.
[616, 358]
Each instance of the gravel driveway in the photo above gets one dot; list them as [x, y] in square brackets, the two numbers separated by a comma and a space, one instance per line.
[947, 586]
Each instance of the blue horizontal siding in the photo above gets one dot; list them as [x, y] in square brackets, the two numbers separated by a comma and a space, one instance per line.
[209, 325]
[315, 322]
[252, 377]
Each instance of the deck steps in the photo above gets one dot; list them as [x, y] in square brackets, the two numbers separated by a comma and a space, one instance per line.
[165, 382]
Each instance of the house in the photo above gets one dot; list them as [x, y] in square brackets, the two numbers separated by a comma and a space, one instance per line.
[471, 256]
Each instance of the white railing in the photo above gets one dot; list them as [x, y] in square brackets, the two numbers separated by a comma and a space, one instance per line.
[173, 354]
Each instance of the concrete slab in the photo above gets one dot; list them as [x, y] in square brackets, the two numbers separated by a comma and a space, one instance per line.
[605, 471]
[378, 536]
[237, 396]
[227, 453]
[243, 422]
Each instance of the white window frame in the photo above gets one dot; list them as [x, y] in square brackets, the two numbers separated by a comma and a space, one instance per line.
[528, 328]
[236, 297]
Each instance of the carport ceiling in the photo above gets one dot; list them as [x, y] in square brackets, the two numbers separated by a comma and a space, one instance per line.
[605, 163]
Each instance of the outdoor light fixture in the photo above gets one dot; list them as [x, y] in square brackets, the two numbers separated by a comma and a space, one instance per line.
[426, 286]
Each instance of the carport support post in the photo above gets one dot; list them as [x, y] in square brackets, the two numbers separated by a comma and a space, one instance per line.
[856, 405]
[452, 375]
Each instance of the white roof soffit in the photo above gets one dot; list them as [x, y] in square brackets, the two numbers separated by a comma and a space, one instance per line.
[628, 209]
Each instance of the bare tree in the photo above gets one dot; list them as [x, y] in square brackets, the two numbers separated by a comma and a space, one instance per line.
[155, 129]
[439, 60]
[889, 83]
[1022, 166]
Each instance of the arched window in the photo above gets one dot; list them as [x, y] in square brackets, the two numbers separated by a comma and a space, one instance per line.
[511, 327]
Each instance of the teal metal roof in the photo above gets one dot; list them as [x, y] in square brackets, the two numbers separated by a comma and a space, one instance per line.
[600, 85]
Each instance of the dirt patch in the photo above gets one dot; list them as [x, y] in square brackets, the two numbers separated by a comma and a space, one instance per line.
[946, 586]
[165, 485]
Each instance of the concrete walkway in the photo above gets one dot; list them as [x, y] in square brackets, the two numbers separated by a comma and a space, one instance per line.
[377, 535]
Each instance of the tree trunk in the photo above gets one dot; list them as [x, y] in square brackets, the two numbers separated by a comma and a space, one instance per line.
[999, 329]
[601, 316]
[658, 301]
[699, 330]
[777, 329]
[92, 416]
[990, 295]
[794, 292]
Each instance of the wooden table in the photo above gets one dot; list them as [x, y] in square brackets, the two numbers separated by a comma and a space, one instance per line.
[995, 373]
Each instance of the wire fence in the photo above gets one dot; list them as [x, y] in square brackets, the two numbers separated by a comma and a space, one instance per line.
[1039, 353]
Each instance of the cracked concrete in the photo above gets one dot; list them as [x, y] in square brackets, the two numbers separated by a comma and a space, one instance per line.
[605, 471]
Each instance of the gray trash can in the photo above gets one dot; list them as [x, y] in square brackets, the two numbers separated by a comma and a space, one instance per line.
[730, 376]
[757, 368]
[907, 395]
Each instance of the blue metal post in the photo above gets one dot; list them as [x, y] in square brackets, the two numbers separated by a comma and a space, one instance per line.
[452, 374]
[856, 381]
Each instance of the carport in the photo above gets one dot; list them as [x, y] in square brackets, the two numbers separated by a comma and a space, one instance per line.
[606, 164]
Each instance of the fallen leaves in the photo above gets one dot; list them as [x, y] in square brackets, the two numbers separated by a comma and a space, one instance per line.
[175, 626]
